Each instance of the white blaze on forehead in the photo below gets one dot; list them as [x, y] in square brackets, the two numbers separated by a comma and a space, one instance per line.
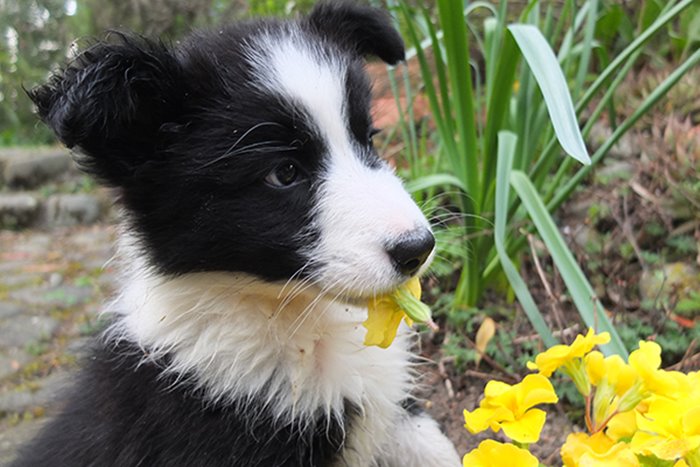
[360, 210]
[300, 72]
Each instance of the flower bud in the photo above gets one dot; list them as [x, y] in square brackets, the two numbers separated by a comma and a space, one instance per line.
[412, 306]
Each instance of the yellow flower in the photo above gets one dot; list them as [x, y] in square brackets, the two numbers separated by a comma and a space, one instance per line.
[491, 453]
[618, 386]
[559, 355]
[386, 312]
[646, 361]
[669, 429]
[511, 408]
[582, 450]
[612, 370]
[622, 426]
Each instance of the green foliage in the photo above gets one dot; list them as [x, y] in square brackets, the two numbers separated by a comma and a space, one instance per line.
[278, 7]
[683, 244]
[478, 87]
[33, 36]
[653, 461]
[36, 37]
[619, 22]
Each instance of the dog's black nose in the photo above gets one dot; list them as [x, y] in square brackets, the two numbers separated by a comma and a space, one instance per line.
[411, 251]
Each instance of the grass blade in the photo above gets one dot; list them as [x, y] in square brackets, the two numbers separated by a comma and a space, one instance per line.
[459, 72]
[506, 150]
[498, 108]
[589, 307]
[429, 181]
[588, 38]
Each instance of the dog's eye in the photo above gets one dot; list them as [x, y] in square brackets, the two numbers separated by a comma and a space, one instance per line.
[372, 133]
[285, 174]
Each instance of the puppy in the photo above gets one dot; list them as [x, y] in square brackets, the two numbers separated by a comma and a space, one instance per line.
[258, 220]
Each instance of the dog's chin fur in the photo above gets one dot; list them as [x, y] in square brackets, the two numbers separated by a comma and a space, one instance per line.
[258, 219]
[290, 352]
[243, 340]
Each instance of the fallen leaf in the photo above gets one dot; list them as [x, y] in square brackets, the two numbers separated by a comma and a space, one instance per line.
[483, 336]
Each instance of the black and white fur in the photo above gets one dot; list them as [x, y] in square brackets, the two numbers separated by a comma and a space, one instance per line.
[258, 219]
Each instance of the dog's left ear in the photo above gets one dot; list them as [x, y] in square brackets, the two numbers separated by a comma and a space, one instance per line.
[363, 30]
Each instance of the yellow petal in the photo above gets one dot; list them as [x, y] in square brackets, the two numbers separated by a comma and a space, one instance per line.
[647, 357]
[559, 355]
[664, 448]
[534, 390]
[495, 389]
[491, 453]
[384, 314]
[482, 418]
[382, 322]
[527, 428]
[691, 420]
[413, 286]
[595, 367]
[622, 425]
[550, 360]
[582, 450]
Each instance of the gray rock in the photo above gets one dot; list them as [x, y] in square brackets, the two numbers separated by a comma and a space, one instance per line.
[672, 285]
[55, 279]
[12, 360]
[49, 389]
[13, 438]
[30, 167]
[35, 243]
[11, 279]
[8, 310]
[18, 210]
[22, 330]
[64, 296]
[68, 210]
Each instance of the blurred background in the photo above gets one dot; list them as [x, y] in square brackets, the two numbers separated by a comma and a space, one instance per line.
[39, 35]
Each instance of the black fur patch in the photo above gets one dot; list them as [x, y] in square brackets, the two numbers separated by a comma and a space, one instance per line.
[130, 414]
[187, 137]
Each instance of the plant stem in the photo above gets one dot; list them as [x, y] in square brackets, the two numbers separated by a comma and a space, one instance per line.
[589, 423]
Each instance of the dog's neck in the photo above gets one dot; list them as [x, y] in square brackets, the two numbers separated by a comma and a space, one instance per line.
[240, 338]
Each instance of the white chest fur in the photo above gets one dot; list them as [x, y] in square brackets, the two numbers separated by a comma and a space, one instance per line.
[244, 339]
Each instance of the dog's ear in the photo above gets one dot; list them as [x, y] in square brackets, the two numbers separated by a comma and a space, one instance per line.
[363, 30]
[110, 102]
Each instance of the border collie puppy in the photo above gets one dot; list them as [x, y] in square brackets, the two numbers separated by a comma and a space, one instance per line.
[258, 221]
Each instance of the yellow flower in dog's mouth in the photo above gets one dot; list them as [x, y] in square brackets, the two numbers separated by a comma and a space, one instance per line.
[386, 312]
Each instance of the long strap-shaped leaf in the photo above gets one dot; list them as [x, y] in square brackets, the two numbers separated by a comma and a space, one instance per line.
[506, 150]
[430, 181]
[550, 78]
[589, 307]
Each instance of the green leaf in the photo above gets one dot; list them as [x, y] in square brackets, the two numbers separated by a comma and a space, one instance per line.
[550, 78]
[660, 91]
[429, 181]
[506, 150]
[652, 461]
[589, 307]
